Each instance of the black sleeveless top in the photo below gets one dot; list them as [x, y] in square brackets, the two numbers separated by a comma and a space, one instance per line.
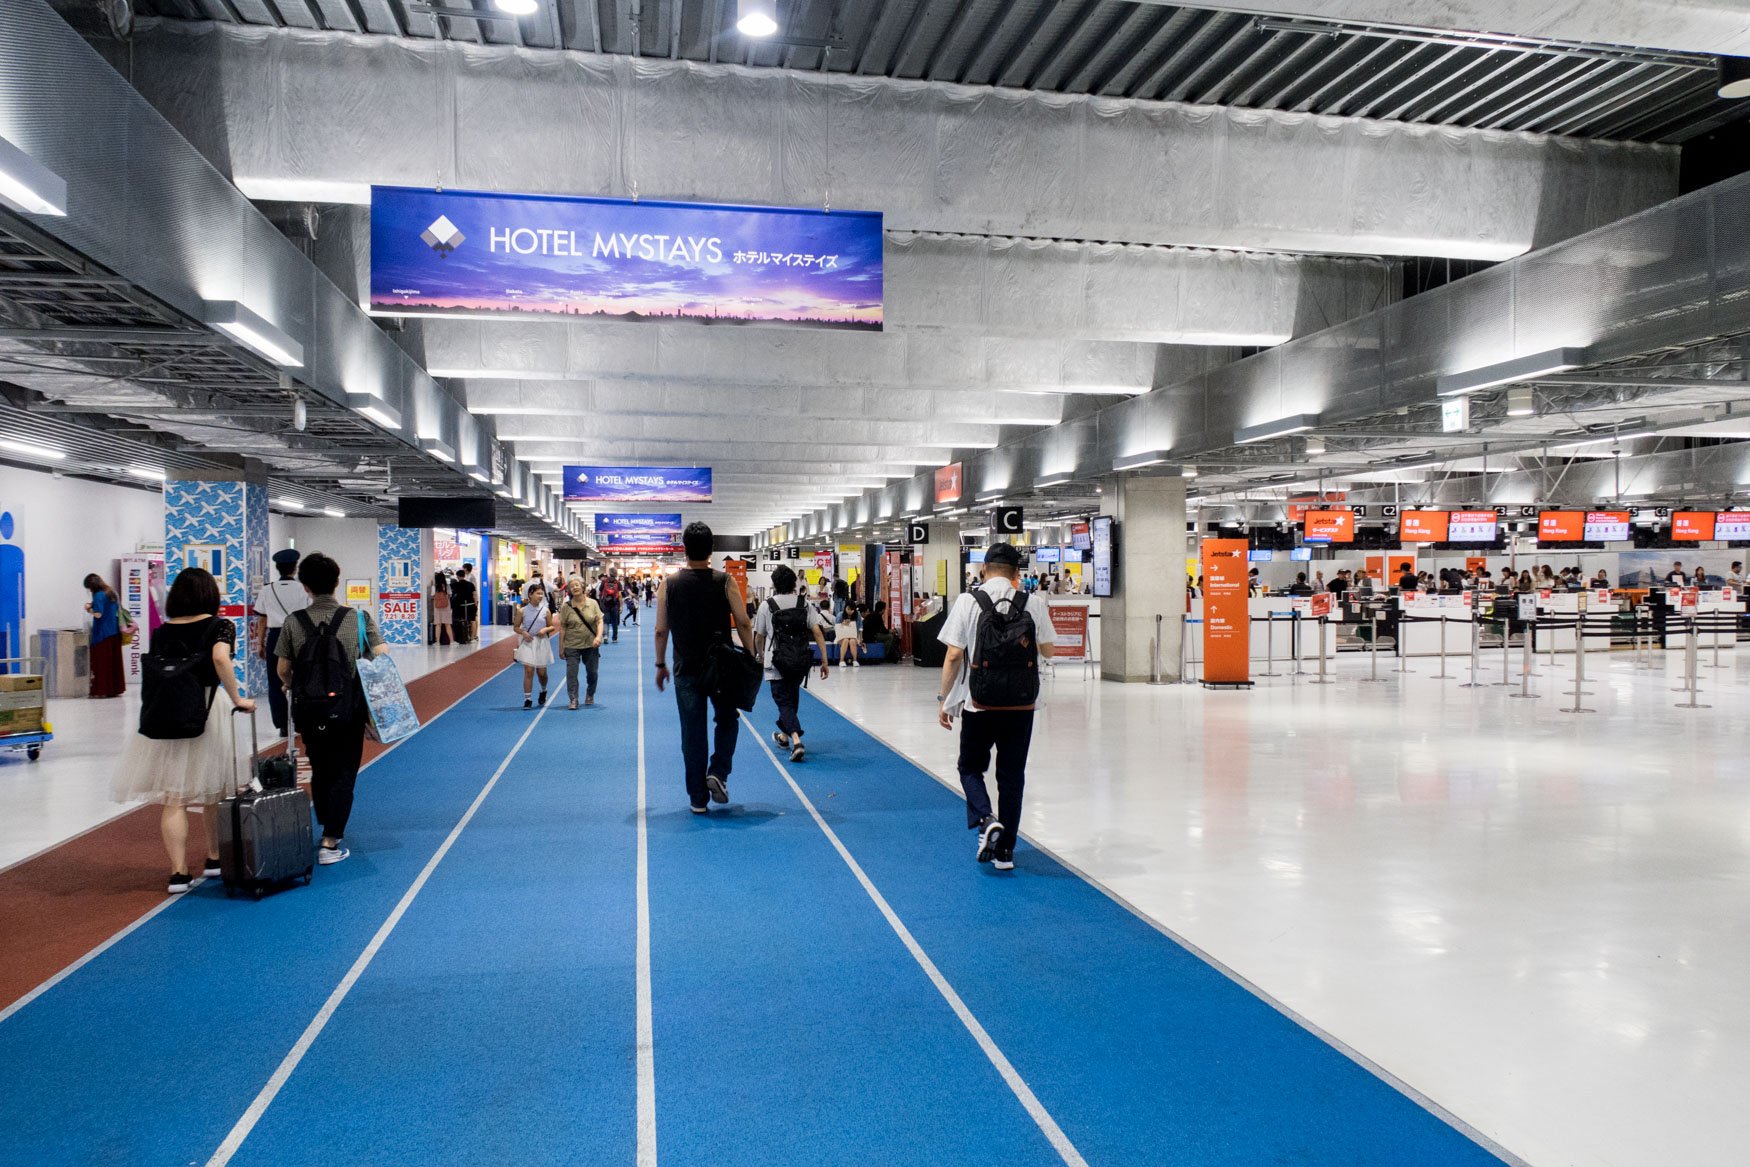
[698, 616]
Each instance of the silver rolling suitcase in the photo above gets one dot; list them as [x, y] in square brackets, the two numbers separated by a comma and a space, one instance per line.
[265, 838]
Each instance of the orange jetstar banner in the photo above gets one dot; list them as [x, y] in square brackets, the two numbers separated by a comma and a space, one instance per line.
[1227, 617]
[737, 569]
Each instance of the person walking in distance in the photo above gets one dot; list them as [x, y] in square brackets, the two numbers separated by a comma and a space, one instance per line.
[580, 639]
[274, 604]
[442, 615]
[536, 625]
[783, 629]
[465, 603]
[318, 663]
[995, 637]
[609, 595]
[696, 606]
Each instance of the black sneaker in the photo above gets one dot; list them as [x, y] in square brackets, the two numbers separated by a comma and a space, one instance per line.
[718, 788]
[542, 699]
[700, 809]
[179, 883]
[212, 869]
[1005, 861]
[988, 834]
[797, 753]
[528, 703]
[782, 738]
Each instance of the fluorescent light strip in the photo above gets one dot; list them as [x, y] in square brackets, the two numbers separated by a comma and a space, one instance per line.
[29, 186]
[1298, 423]
[1140, 459]
[334, 513]
[148, 473]
[1557, 360]
[32, 450]
[290, 504]
[253, 332]
[1050, 480]
[374, 408]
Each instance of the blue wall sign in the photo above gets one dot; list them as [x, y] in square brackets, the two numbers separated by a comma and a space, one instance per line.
[463, 253]
[638, 483]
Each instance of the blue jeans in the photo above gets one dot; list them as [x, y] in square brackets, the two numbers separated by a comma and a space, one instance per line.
[787, 695]
[693, 702]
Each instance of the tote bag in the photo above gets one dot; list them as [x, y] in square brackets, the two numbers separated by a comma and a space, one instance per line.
[392, 717]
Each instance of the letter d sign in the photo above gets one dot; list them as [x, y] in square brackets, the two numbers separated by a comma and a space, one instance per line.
[917, 534]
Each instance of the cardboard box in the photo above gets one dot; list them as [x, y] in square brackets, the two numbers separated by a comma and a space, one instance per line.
[21, 720]
[67, 663]
[20, 683]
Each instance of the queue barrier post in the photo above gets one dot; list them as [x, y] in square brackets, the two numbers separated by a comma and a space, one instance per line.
[1506, 651]
[1185, 677]
[1154, 677]
[1692, 679]
[1269, 646]
[1525, 674]
[1294, 639]
[1321, 679]
[1373, 677]
[1476, 648]
[1404, 620]
[1714, 625]
[1441, 675]
[1579, 665]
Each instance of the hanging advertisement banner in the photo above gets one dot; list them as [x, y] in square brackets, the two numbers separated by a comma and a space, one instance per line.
[641, 542]
[637, 484]
[1070, 623]
[737, 569]
[644, 525]
[136, 597]
[1227, 618]
[470, 253]
[950, 481]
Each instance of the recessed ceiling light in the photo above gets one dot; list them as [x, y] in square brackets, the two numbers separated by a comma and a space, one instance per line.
[756, 18]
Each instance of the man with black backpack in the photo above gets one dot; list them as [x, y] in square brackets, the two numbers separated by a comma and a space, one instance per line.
[785, 629]
[609, 598]
[318, 663]
[995, 637]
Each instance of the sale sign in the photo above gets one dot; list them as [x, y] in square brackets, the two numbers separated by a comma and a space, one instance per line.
[398, 606]
[1227, 617]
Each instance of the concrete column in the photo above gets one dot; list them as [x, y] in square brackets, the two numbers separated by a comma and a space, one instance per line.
[1150, 570]
[401, 559]
[943, 548]
[218, 520]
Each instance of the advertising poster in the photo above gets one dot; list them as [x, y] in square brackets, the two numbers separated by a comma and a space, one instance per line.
[1070, 623]
[644, 525]
[950, 483]
[1101, 534]
[467, 253]
[640, 543]
[136, 597]
[737, 569]
[637, 484]
[1227, 617]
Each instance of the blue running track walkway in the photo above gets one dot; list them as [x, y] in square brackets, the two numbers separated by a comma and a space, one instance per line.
[466, 990]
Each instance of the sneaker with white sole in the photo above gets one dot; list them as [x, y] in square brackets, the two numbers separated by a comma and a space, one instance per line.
[212, 869]
[1005, 861]
[797, 753]
[700, 809]
[988, 834]
[718, 788]
[335, 854]
[781, 738]
[179, 883]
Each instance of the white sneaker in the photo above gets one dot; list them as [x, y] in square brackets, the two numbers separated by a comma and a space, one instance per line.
[856, 663]
[327, 855]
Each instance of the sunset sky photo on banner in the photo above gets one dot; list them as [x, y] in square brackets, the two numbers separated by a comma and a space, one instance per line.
[479, 254]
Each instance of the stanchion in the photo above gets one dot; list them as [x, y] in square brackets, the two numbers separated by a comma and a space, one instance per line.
[1185, 672]
[1269, 646]
[1441, 675]
[1579, 665]
[1154, 677]
[1714, 627]
[1321, 679]
[1404, 620]
[1373, 677]
[1525, 674]
[1506, 651]
[1691, 653]
[1476, 651]
[1294, 639]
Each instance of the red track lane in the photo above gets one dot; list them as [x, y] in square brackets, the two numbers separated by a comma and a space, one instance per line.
[57, 906]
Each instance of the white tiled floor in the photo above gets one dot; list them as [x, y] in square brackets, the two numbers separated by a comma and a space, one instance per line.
[1535, 918]
[66, 792]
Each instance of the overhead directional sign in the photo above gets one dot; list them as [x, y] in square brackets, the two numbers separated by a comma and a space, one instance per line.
[466, 253]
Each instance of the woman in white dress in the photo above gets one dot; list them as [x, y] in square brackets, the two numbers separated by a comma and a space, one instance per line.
[189, 771]
[536, 625]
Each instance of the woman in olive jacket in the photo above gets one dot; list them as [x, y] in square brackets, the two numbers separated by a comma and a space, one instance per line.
[580, 639]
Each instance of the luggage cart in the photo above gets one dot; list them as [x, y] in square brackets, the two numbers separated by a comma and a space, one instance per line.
[30, 741]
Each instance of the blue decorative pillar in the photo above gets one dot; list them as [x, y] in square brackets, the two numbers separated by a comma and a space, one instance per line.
[401, 584]
[220, 523]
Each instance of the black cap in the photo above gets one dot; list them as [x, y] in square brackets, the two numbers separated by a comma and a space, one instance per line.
[286, 558]
[1003, 553]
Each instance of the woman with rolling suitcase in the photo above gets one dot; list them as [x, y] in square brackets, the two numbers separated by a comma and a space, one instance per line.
[182, 755]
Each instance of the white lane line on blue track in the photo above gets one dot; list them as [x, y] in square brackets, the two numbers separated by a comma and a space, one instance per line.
[1053, 1133]
[646, 1028]
[153, 913]
[263, 1100]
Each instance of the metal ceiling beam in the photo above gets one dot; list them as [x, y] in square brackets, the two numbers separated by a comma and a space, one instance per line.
[1141, 47]
[945, 43]
[1072, 28]
[1023, 41]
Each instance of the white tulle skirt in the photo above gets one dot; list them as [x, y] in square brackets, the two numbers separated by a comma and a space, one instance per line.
[194, 771]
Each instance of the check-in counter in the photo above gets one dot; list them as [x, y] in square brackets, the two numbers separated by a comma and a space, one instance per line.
[1419, 634]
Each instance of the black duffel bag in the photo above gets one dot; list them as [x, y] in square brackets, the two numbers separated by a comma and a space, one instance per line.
[733, 675]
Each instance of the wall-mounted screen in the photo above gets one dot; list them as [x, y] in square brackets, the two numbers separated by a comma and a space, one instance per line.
[1080, 537]
[1472, 527]
[975, 555]
[1105, 537]
[1693, 526]
[1733, 526]
[1561, 526]
[1047, 554]
[1300, 554]
[1423, 526]
[1256, 556]
[1329, 527]
[1607, 526]
[465, 513]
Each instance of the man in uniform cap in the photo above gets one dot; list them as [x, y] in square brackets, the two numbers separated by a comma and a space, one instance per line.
[1009, 682]
[273, 603]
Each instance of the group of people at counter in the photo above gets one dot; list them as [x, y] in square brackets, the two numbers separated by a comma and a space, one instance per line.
[1453, 580]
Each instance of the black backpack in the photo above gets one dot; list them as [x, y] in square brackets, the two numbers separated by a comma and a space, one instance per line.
[1005, 660]
[325, 687]
[791, 638]
[174, 700]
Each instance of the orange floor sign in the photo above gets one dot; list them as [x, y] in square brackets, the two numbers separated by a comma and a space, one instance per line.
[1069, 623]
[1227, 616]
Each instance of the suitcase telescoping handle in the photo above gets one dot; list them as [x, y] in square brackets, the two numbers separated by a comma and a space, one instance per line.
[254, 749]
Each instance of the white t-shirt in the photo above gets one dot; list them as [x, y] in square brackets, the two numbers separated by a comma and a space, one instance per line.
[961, 631]
[762, 624]
[280, 599]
